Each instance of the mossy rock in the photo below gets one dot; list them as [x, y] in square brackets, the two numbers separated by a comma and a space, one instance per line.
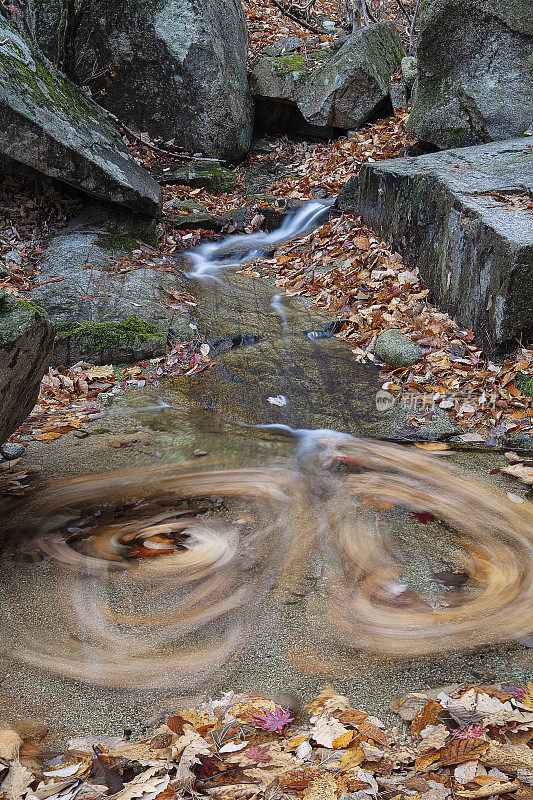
[26, 339]
[213, 177]
[49, 124]
[332, 88]
[124, 340]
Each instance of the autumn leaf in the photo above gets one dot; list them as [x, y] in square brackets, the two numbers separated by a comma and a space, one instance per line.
[459, 750]
[425, 760]
[429, 715]
[372, 731]
[274, 722]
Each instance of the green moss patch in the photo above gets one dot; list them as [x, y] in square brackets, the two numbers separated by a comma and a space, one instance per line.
[296, 62]
[127, 241]
[112, 335]
[525, 384]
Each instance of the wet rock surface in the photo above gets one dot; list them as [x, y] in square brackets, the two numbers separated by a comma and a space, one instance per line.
[179, 68]
[50, 125]
[330, 88]
[475, 82]
[26, 339]
[447, 213]
[102, 315]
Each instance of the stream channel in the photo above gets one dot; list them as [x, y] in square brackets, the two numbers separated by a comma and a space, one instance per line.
[280, 382]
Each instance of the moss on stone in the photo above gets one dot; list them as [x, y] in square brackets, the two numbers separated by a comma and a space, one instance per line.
[127, 240]
[525, 384]
[297, 62]
[109, 335]
[16, 316]
[39, 82]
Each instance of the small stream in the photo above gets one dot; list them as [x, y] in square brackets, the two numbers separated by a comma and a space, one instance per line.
[259, 592]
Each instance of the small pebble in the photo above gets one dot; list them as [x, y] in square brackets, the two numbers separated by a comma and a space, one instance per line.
[106, 398]
[199, 453]
[12, 450]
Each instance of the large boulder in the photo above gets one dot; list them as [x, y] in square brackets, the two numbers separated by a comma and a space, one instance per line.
[26, 339]
[464, 218]
[332, 88]
[475, 72]
[173, 68]
[106, 292]
[50, 125]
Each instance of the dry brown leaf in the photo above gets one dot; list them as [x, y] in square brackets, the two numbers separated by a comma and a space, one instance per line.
[434, 738]
[372, 731]
[17, 781]
[326, 729]
[324, 787]
[486, 791]
[428, 716]
[424, 761]
[328, 700]
[105, 371]
[459, 750]
[10, 742]
[508, 758]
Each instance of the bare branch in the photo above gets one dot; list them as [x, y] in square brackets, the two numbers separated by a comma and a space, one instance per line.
[301, 22]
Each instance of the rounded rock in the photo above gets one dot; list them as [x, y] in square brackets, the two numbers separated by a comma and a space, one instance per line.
[12, 450]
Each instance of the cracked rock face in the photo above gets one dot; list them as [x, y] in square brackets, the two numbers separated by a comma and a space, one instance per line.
[26, 339]
[475, 72]
[173, 68]
[48, 124]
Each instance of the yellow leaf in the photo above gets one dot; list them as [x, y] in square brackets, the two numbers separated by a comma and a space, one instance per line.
[46, 437]
[343, 740]
[425, 760]
[296, 742]
[431, 446]
[105, 371]
[352, 758]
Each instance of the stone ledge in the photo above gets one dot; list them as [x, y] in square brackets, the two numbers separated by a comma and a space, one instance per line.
[474, 251]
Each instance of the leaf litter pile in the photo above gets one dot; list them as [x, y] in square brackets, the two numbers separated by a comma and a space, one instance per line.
[468, 742]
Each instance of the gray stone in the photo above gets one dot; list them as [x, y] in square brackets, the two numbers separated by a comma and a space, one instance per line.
[11, 450]
[474, 251]
[346, 90]
[475, 72]
[287, 45]
[50, 125]
[409, 70]
[213, 177]
[398, 95]
[102, 316]
[173, 68]
[397, 350]
[26, 339]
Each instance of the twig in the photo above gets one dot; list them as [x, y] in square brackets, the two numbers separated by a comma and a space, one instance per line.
[301, 22]
[368, 11]
[404, 9]
[154, 148]
[413, 26]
